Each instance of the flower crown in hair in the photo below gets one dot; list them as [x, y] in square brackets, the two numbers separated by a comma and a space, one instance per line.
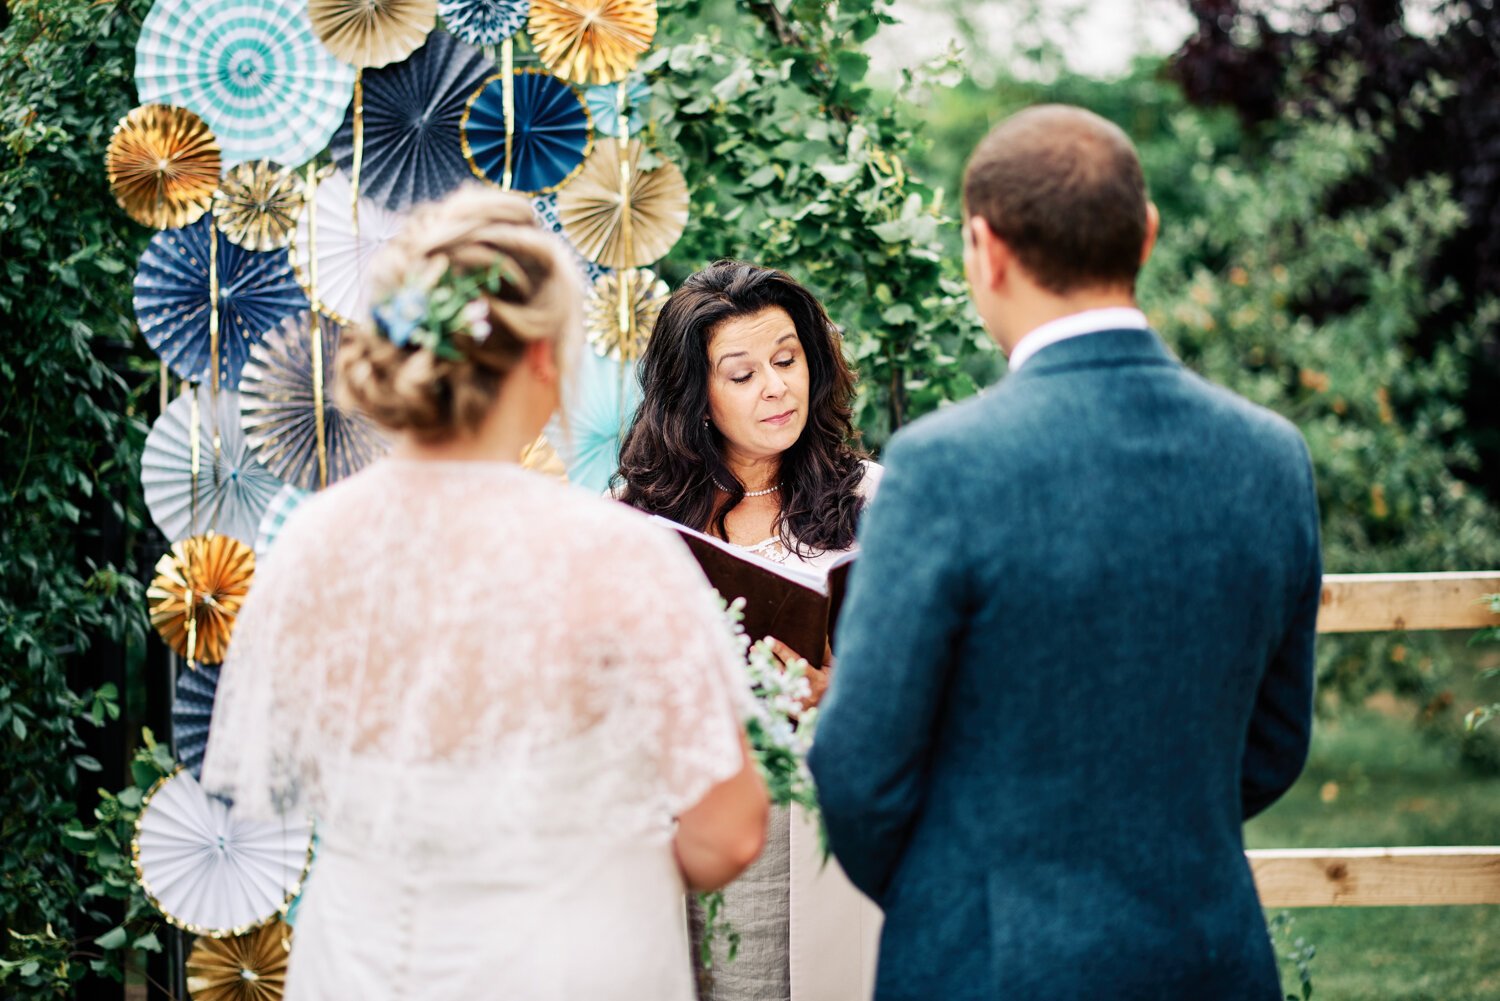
[429, 310]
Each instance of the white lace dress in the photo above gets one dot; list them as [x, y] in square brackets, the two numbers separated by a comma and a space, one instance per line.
[494, 692]
[806, 933]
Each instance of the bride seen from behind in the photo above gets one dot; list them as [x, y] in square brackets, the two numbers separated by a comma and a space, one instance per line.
[494, 692]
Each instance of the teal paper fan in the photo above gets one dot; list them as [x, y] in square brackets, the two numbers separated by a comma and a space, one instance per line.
[252, 69]
[600, 400]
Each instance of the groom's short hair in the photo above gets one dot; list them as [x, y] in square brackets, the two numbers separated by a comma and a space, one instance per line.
[1064, 189]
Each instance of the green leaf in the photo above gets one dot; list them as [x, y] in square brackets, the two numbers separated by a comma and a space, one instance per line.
[899, 313]
[115, 938]
[838, 173]
[765, 175]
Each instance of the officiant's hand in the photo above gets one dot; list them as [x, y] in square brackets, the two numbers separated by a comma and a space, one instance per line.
[817, 677]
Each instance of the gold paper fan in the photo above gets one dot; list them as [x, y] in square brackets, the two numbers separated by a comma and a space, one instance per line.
[623, 335]
[370, 33]
[593, 212]
[250, 967]
[541, 457]
[591, 41]
[257, 205]
[199, 588]
[163, 165]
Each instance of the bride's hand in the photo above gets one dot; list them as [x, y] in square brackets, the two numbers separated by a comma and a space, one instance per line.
[817, 677]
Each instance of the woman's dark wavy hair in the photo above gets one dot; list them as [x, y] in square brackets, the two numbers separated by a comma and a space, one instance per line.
[669, 459]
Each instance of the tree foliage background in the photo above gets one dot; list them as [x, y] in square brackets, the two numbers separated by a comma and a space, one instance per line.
[68, 468]
[1328, 188]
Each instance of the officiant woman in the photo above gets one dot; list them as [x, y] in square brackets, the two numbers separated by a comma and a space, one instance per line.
[745, 432]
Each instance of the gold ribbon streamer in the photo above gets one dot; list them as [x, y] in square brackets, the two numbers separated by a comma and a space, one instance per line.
[213, 363]
[508, 105]
[359, 148]
[192, 625]
[195, 448]
[213, 304]
[626, 277]
[194, 444]
[319, 421]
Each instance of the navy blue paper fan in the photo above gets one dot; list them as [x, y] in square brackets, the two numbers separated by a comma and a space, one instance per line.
[192, 711]
[551, 128]
[257, 290]
[484, 22]
[412, 114]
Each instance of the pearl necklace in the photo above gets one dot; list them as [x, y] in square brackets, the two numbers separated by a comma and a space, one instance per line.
[751, 493]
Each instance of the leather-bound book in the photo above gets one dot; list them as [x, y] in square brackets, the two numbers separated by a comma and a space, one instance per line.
[796, 605]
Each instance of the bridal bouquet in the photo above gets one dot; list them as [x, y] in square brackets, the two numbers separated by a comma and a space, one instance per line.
[780, 733]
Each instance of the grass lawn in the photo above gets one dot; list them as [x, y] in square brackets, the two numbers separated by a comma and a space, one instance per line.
[1373, 780]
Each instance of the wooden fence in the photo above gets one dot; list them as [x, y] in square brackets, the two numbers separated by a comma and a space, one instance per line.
[1385, 877]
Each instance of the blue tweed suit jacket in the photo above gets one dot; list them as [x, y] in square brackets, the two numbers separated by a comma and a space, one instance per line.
[1077, 653]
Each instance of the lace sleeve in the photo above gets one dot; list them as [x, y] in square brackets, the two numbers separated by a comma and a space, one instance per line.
[687, 671]
[252, 757]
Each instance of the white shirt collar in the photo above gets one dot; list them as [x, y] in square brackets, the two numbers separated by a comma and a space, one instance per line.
[1090, 321]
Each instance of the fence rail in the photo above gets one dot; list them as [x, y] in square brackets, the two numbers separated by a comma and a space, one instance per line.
[1376, 877]
[1389, 877]
[1385, 602]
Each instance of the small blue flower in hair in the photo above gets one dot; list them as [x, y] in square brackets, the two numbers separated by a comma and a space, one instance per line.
[398, 318]
[432, 311]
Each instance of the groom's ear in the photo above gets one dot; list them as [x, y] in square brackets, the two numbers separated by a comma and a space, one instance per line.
[991, 257]
[1153, 227]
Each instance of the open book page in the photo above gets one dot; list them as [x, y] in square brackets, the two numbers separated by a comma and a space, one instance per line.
[796, 604]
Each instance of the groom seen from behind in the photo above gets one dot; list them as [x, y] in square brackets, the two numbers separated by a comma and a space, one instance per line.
[1077, 650]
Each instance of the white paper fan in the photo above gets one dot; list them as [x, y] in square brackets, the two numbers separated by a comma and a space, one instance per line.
[208, 872]
[233, 488]
[343, 272]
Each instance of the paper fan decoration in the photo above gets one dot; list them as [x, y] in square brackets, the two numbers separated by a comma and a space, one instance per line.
[621, 333]
[412, 111]
[544, 207]
[370, 33]
[594, 214]
[192, 712]
[197, 593]
[277, 512]
[604, 105]
[591, 41]
[254, 71]
[484, 22]
[278, 409]
[344, 252]
[248, 967]
[232, 488]
[173, 291]
[163, 166]
[257, 205]
[550, 130]
[208, 872]
[600, 399]
[541, 457]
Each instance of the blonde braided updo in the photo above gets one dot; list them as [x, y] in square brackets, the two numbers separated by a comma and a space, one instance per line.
[413, 390]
